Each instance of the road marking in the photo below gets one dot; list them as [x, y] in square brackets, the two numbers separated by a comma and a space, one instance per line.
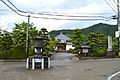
[110, 77]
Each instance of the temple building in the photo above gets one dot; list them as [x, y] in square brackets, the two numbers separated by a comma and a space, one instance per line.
[64, 43]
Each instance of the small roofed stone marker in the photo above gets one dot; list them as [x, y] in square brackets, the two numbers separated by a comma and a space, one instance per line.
[38, 61]
[84, 47]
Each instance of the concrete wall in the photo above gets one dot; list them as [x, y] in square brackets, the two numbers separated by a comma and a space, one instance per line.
[68, 46]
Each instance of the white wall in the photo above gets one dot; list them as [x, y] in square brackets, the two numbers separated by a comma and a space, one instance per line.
[68, 46]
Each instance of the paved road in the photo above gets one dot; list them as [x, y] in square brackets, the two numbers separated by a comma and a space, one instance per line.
[62, 68]
[117, 77]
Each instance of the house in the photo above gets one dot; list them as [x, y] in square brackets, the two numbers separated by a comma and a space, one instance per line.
[64, 43]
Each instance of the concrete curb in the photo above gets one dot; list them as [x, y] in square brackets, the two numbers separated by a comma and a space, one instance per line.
[24, 60]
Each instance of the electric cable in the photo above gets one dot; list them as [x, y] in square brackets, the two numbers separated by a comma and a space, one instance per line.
[47, 17]
[49, 13]
[111, 6]
[115, 2]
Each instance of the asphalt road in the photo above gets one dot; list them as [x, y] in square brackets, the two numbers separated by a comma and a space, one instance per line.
[62, 68]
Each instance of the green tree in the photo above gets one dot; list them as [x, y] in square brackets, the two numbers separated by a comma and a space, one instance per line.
[6, 42]
[98, 42]
[19, 35]
[92, 39]
[49, 44]
[77, 39]
[115, 44]
[101, 40]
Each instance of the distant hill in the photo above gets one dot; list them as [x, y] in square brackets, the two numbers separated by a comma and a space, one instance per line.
[101, 27]
[54, 33]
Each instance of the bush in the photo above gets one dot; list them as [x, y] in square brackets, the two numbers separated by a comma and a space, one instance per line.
[31, 51]
[48, 54]
[3, 54]
[13, 53]
[70, 50]
[76, 51]
[16, 53]
[99, 52]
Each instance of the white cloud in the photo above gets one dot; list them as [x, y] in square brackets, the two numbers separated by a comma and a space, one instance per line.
[48, 24]
[93, 7]
[40, 2]
[7, 22]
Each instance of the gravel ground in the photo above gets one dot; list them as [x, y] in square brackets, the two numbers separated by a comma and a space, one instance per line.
[62, 68]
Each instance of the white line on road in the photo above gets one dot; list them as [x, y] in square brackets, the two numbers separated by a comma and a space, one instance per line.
[110, 77]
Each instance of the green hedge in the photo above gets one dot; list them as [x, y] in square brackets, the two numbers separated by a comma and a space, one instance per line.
[98, 52]
[13, 53]
[70, 50]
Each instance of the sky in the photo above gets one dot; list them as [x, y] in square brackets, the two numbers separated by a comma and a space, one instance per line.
[57, 7]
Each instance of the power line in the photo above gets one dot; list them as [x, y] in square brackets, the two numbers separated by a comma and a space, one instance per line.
[95, 13]
[111, 6]
[13, 9]
[50, 14]
[51, 18]
[47, 13]
[115, 2]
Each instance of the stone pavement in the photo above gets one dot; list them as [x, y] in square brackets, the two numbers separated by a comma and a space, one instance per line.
[62, 68]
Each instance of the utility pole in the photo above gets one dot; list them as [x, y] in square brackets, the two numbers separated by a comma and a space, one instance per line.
[118, 21]
[27, 36]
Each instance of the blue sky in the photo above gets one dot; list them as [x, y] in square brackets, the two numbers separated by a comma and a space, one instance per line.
[71, 7]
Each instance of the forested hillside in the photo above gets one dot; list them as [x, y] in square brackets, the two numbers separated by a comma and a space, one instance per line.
[101, 27]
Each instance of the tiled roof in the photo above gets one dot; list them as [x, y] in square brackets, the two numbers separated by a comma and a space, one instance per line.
[85, 45]
[62, 38]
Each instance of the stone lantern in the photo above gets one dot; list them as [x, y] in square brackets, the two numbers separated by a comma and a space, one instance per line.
[38, 61]
[38, 45]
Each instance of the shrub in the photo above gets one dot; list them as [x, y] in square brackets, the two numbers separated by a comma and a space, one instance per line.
[75, 51]
[31, 51]
[70, 50]
[16, 53]
[98, 52]
[47, 54]
[13, 53]
[3, 54]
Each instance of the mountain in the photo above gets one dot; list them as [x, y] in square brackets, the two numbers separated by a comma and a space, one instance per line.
[67, 32]
[101, 27]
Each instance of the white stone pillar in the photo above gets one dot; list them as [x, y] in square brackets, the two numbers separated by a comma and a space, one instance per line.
[42, 63]
[48, 62]
[33, 63]
[27, 63]
[109, 43]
